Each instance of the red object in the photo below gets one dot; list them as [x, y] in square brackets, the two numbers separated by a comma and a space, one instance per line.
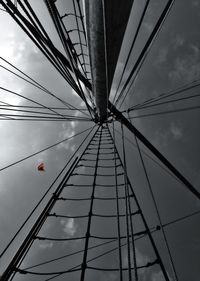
[41, 167]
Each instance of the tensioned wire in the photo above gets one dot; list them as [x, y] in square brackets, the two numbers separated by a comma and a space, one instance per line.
[137, 66]
[41, 42]
[14, 108]
[126, 208]
[131, 48]
[148, 232]
[31, 100]
[50, 273]
[168, 102]
[172, 93]
[51, 186]
[38, 224]
[81, 45]
[129, 206]
[157, 211]
[166, 112]
[37, 85]
[153, 230]
[43, 120]
[149, 157]
[50, 115]
[59, 25]
[36, 107]
[67, 118]
[117, 211]
[79, 36]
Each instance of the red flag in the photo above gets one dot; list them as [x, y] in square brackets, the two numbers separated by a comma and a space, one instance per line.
[41, 167]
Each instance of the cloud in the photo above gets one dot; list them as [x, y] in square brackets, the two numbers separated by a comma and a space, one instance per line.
[148, 26]
[178, 41]
[68, 131]
[111, 276]
[186, 68]
[69, 226]
[158, 276]
[195, 3]
[46, 245]
[176, 131]
[141, 260]
[145, 273]
[162, 56]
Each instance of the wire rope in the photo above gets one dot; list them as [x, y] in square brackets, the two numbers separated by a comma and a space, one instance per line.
[47, 191]
[131, 48]
[138, 64]
[157, 211]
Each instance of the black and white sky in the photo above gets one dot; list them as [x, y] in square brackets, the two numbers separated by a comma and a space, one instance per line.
[172, 62]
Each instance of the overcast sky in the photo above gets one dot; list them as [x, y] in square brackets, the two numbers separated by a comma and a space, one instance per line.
[174, 60]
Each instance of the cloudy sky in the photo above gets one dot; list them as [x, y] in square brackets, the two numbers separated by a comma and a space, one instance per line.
[173, 61]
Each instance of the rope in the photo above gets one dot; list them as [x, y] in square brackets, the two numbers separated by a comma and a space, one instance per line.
[131, 48]
[45, 194]
[118, 213]
[84, 261]
[129, 208]
[147, 47]
[157, 211]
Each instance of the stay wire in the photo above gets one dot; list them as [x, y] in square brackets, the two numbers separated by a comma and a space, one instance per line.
[69, 255]
[164, 95]
[181, 218]
[36, 84]
[81, 17]
[148, 232]
[109, 242]
[42, 150]
[117, 208]
[42, 218]
[36, 107]
[31, 18]
[37, 19]
[129, 207]
[79, 35]
[71, 269]
[82, 52]
[178, 110]
[59, 24]
[131, 48]
[155, 229]
[50, 115]
[43, 120]
[156, 208]
[51, 53]
[126, 207]
[167, 102]
[149, 157]
[84, 261]
[39, 40]
[40, 201]
[31, 100]
[145, 51]
[35, 25]
[105, 57]
[67, 118]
